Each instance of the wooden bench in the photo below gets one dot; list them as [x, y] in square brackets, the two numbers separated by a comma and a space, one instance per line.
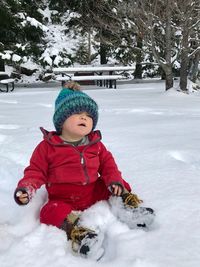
[105, 78]
[103, 75]
[6, 81]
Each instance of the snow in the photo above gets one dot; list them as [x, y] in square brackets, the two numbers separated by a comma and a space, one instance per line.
[6, 81]
[46, 13]
[16, 58]
[36, 23]
[155, 138]
[59, 44]
[29, 64]
[89, 68]
[56, 40]
[6, 55]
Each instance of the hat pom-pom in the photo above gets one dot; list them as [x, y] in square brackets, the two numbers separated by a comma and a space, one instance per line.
[74, 86]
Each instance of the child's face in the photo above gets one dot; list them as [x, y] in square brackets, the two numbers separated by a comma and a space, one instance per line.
[77, 126]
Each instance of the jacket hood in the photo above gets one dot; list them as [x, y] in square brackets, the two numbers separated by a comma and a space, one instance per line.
[53, 138]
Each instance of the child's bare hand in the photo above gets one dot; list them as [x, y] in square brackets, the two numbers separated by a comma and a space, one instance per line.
[22, 197]
[116, 190]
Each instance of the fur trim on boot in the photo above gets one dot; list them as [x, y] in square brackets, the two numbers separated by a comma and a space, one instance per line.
[134, 217]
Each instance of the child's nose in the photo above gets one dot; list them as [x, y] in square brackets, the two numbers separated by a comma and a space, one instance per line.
[83, 117]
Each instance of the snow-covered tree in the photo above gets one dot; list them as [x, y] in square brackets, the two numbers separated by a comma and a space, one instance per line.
[21, 31]
[188, 16]
[166, 27]
[154, 22]
[102, 20]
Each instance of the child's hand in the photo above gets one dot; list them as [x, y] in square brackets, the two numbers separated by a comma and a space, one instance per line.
[116, 189]
[21, 197]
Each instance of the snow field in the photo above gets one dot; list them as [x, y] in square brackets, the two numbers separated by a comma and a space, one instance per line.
[155, 138]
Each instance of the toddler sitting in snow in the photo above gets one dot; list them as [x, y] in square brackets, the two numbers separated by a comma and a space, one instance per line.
[78, 171]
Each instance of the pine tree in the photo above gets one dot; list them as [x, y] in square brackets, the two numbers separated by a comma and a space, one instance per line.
[19, 35]
[101, 19]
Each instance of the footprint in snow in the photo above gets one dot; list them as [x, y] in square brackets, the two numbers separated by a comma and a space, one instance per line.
[190, 158]
[177, 155]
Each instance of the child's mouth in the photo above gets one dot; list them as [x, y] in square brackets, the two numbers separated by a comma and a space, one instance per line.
[82, 125]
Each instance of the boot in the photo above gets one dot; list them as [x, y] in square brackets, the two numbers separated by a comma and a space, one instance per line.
[131, 200]
[85, 242]
[127, 209]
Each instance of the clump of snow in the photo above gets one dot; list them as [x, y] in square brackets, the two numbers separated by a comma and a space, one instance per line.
[16, 58]
[178, 33]
[47, 13]
[33, 22]
[6, 55]
[29, 64]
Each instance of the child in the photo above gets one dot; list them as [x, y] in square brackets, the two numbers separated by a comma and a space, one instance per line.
[78, 171]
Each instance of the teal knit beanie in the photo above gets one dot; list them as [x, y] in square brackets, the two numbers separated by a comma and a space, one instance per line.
[69, 102]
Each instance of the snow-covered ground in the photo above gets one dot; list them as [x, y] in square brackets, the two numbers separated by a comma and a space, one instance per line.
[155, 138]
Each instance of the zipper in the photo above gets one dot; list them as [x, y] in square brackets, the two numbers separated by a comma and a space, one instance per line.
[84, 168]
[83, 160]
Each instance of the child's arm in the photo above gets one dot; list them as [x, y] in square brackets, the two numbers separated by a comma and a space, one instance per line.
[109, 171]
[35, 175]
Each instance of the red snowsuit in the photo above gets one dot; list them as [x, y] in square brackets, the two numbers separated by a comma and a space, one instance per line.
[75, 177]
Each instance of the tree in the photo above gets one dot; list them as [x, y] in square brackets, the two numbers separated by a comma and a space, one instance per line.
[102, 20]
[2, 63]
[21, 34]
[188, 14]
[83, 54]
[194, 69]
[166, 27]
[154, 20]
[8, 27]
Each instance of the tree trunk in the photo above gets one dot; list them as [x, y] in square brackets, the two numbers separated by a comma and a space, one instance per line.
[138, 67]
[194, 67]
[167, 66]
[89, 47]
[169, 82]
[163, 74]
[168, 35]
[103, 54]
[184, 59]
[2, 65]
[184, 72]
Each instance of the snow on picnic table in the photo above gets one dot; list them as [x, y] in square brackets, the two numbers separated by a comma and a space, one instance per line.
[155, 138]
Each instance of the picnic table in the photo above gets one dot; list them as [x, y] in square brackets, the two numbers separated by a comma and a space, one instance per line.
[103, 75]
[6, 81]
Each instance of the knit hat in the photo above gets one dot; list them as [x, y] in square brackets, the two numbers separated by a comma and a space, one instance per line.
[72, 101]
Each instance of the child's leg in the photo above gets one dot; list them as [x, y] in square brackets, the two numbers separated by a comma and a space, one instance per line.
[55, 212]
[100, 192]
[85, 242]
[125, 207]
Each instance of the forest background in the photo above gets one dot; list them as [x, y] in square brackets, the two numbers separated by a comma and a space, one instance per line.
[160, 37]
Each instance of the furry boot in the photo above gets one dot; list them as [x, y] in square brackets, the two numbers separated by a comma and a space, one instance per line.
[85, 242]
[127, 209]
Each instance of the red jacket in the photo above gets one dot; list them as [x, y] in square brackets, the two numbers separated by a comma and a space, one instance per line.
[55, 163]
